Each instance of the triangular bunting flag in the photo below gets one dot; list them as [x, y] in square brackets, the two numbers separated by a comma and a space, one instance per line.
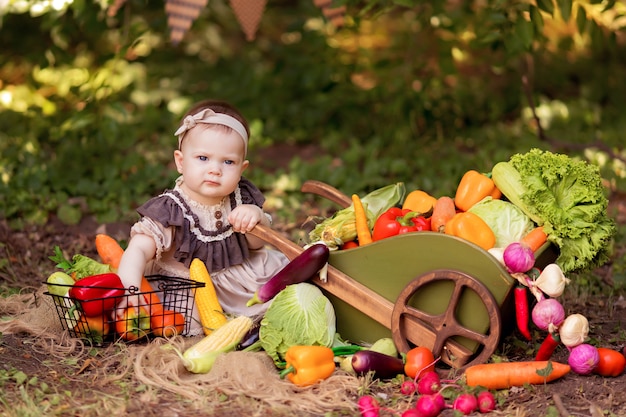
[334, 14]
[113, 9]
[248, 13]
[180, 15]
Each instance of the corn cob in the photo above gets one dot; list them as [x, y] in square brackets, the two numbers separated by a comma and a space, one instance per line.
[200, 357]
[211, 314]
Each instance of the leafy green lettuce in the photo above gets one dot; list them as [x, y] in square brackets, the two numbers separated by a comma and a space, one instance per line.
[299, 315]
[507, 221]
[569, 198]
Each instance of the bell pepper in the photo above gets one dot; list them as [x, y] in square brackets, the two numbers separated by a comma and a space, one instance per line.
[396, 221]
[306, 365]
[473, 187]
[97, 294]
[134, 323]
[420, 201]
[93, 328]
[470, 227]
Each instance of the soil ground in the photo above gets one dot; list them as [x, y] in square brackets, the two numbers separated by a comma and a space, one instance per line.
[29, 375]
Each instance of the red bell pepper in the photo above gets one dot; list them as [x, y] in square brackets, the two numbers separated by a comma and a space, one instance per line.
[397, 221]
[97, 294]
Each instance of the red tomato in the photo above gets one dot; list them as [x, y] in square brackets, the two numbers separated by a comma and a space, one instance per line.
[350, 245]
[612, 362]
[167, 324]
[419, 360]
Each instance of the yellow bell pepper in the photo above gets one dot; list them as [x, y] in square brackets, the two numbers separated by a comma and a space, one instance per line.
[472, 188]
[306, 365]
[470, 227]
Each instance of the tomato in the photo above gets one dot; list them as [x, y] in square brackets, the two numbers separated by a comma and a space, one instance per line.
[612, 362]
[93, 328]
[350, 245]
[419, 360]
[134, 324]
[167, 324]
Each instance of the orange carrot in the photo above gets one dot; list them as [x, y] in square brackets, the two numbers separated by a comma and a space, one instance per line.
[363, 233]
[514, 374]
[535, 238]
[443, 211]
[111, 253]
[109, 250]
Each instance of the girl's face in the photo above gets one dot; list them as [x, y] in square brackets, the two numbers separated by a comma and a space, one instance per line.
[211, 160]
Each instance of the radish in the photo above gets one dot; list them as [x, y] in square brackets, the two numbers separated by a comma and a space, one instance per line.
[408, 387]
[429, 383]
[411, 412]
[465, 403]
[368, 406]
[486, 402]
[430, 405]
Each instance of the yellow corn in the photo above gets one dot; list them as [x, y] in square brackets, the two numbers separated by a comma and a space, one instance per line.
[200, 357]
[211, 314]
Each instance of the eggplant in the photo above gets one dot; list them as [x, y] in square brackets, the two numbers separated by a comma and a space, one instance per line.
[384, 366]
[302, 268]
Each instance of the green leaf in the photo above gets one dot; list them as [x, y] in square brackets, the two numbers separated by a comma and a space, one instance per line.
[565, 7]
[609, 5]
[581, 20]
[547, 6]
[537, 19]
[545, 372]
[524, 31]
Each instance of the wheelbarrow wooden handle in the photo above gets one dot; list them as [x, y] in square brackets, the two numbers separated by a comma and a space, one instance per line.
[327, 191]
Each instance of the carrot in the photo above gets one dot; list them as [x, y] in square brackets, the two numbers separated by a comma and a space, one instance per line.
[111, 253]
[109, 250]
[535, 238]
[363, 233]
[514, 374]
[443, 211]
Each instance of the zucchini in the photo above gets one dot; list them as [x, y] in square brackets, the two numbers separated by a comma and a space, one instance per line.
[509, 181]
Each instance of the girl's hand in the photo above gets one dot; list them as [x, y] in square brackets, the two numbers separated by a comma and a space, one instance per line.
[245, 217]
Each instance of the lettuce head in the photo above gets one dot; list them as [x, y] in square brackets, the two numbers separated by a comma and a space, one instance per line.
[299, 315]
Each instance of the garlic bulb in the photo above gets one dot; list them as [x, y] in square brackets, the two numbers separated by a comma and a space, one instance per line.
[574, 330]
[552, 281]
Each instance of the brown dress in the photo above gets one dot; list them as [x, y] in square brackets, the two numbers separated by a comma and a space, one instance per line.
[184, 229]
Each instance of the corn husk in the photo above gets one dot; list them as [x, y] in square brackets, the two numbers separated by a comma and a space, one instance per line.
[341, 227]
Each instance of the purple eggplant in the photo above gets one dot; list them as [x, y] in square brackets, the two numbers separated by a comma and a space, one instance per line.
[384, 366]
[302, 268]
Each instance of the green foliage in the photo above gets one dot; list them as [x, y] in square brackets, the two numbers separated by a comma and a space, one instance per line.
[417, 92]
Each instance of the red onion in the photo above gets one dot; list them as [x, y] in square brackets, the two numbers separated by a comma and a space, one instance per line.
[583, 359]
[518, 257]
[548, 314]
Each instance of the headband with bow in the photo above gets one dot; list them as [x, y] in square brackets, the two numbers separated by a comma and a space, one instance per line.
[210, 117]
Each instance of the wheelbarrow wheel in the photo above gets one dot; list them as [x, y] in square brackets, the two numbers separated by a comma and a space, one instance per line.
[446, 325]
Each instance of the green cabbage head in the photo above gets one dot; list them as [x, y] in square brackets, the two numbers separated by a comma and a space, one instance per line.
[299, 315]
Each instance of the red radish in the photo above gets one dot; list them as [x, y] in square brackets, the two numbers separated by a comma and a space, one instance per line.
[368, 406]
[429, 383]
[411, 412]
[465, 403]
[486, 402]
[430, 405]
[408, 387]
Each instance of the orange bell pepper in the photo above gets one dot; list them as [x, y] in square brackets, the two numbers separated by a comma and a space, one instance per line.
[420, 202]
[469, 226]
[472, 188]
[306, 365]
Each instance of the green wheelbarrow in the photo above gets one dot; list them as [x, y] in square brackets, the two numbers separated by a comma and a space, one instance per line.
[422, 289]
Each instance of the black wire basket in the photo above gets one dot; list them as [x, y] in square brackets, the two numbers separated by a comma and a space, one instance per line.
[163, 312]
